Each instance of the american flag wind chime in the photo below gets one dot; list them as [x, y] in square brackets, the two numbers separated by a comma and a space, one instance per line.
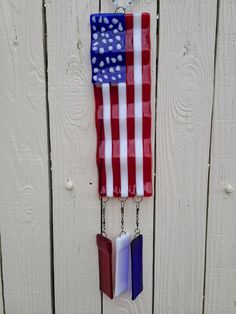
[120, 59]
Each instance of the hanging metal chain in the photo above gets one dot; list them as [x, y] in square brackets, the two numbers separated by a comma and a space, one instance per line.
[104, 203]
[122, 211]
[117, 5]
[137, 230]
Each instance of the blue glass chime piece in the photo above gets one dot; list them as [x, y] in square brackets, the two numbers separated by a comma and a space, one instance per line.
[137, 266]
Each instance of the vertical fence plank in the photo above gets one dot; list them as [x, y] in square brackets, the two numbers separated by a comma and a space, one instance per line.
[24, 190]
[123, 303]
[220, 296]
[76, 212]
[1, 286]
[185, 92]
[1, 299]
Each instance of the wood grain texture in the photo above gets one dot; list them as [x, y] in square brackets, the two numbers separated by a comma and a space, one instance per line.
[76, 212]
[24, 188]
[184, 104]
[123, 303]
[220, 297]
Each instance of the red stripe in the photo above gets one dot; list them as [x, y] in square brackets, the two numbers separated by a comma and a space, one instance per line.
[130, 103]
[146, 94]
[100, 140]
[115, 140]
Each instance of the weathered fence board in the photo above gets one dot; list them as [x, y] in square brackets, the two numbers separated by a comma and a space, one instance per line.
[220, 294]
[123, 303]
[24, 188]
[76, 212]
[1, 286]
[184, 104]
[1, 301]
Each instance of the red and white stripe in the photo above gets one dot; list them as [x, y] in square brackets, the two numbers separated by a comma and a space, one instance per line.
[123, 120]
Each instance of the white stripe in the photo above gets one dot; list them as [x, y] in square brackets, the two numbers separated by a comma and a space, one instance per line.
[123, 139]
[108, 137]
[138, 112]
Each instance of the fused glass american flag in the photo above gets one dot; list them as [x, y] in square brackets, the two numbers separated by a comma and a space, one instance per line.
[120, 59]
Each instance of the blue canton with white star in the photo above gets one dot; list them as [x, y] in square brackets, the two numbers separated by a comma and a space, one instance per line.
[108, 48]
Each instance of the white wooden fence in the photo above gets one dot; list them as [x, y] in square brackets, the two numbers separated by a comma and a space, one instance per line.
[47, 136]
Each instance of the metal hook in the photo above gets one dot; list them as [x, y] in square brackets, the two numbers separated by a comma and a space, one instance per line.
[116, 4]
[122, 199]
[120, 8]
[138, 201]
[104, 199]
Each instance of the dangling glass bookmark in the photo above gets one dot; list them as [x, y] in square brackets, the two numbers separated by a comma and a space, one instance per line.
[122, 258]
[105, 257]
[137, 258]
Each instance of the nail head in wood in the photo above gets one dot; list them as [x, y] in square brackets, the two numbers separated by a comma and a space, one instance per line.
[228, 188]
[69, 184]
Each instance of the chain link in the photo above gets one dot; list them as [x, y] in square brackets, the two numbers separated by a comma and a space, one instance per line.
[137, 230]
[137, 201]
[117, 5]
[104, 217]
[122, 210]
